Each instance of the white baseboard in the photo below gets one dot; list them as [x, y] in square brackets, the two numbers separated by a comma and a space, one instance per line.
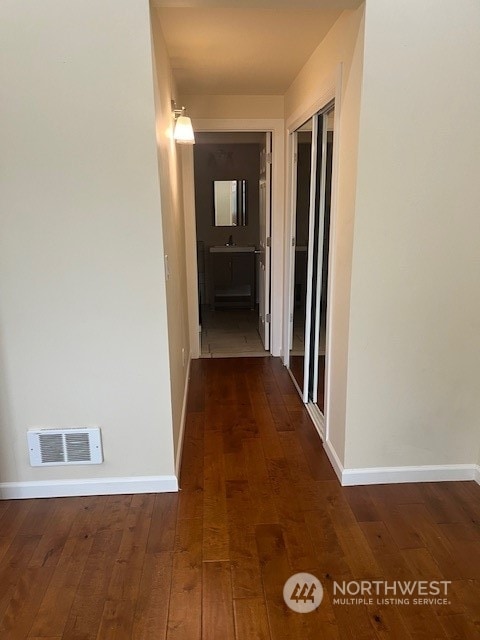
[394, 475]
[477, 474]
[334, 459]
[425, 473]
[183, 421]
[88, 487]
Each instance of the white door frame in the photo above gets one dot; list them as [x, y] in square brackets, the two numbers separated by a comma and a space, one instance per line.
[277, 127]
[264, 276]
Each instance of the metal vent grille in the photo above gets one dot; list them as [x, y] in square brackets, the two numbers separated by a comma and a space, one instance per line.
[51, 447]
[64, 446]
[78, 447]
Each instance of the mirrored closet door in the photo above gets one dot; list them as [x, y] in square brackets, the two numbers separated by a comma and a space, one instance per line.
[312, 188]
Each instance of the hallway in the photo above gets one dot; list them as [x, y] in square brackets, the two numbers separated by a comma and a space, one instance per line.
[267, 504]
[259, 502]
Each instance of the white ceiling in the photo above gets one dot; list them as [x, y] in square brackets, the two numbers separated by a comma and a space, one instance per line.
[234, 47]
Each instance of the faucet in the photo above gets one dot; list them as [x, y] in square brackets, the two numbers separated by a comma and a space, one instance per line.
[230, 242]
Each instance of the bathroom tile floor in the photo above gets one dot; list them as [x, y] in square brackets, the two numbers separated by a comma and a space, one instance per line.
[230, 333]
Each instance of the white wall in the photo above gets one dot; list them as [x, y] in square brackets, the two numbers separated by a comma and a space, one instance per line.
[82, 290]
[170, 174]
[343, 46]
[414, 347]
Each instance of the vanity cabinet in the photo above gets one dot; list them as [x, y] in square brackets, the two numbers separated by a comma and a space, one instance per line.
[233, 276]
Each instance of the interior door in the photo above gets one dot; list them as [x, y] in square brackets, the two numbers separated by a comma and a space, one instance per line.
[264, 242]
[301, 185]
[312, 177]
[315, 177]
[318, 389]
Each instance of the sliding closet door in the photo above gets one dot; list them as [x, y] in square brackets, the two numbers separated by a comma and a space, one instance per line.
[320, 254]
[318, 388]
[302, 159]
[313, 247]
[313, 181]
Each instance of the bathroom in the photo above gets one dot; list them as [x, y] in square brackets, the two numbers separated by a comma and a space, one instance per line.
[229, 248]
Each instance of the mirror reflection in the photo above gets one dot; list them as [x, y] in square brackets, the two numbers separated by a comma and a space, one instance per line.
[320, 400]
[230, 203]
[303, 140]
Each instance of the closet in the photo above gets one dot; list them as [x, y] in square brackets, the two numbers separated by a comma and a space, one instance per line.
[312, 187]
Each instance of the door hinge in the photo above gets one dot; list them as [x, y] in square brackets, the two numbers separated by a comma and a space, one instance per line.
[291, 317]
[267, 317]
[293, 241]
[295, 157]
[269, 241]
[268, 158]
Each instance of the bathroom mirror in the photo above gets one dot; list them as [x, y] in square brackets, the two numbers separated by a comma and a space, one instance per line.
[229, 203]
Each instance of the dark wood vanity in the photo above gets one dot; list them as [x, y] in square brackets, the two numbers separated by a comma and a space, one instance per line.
[233, 276]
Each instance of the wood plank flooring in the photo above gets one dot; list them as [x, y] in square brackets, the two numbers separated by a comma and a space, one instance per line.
[259, 502]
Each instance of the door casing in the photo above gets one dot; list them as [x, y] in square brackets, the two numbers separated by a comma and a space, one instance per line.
[277, 128]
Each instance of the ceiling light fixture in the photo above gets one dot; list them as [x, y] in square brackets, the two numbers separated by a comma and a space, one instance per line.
[183, 131]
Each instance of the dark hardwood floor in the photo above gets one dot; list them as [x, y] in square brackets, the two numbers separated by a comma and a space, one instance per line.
[259, 502]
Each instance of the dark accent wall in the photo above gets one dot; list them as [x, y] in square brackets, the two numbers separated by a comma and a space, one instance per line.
[224, 162]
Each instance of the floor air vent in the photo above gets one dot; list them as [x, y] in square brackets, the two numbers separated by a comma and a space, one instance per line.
[64, 446]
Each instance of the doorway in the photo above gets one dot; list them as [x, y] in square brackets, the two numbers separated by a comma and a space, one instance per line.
[232, 185]
[312, 145]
